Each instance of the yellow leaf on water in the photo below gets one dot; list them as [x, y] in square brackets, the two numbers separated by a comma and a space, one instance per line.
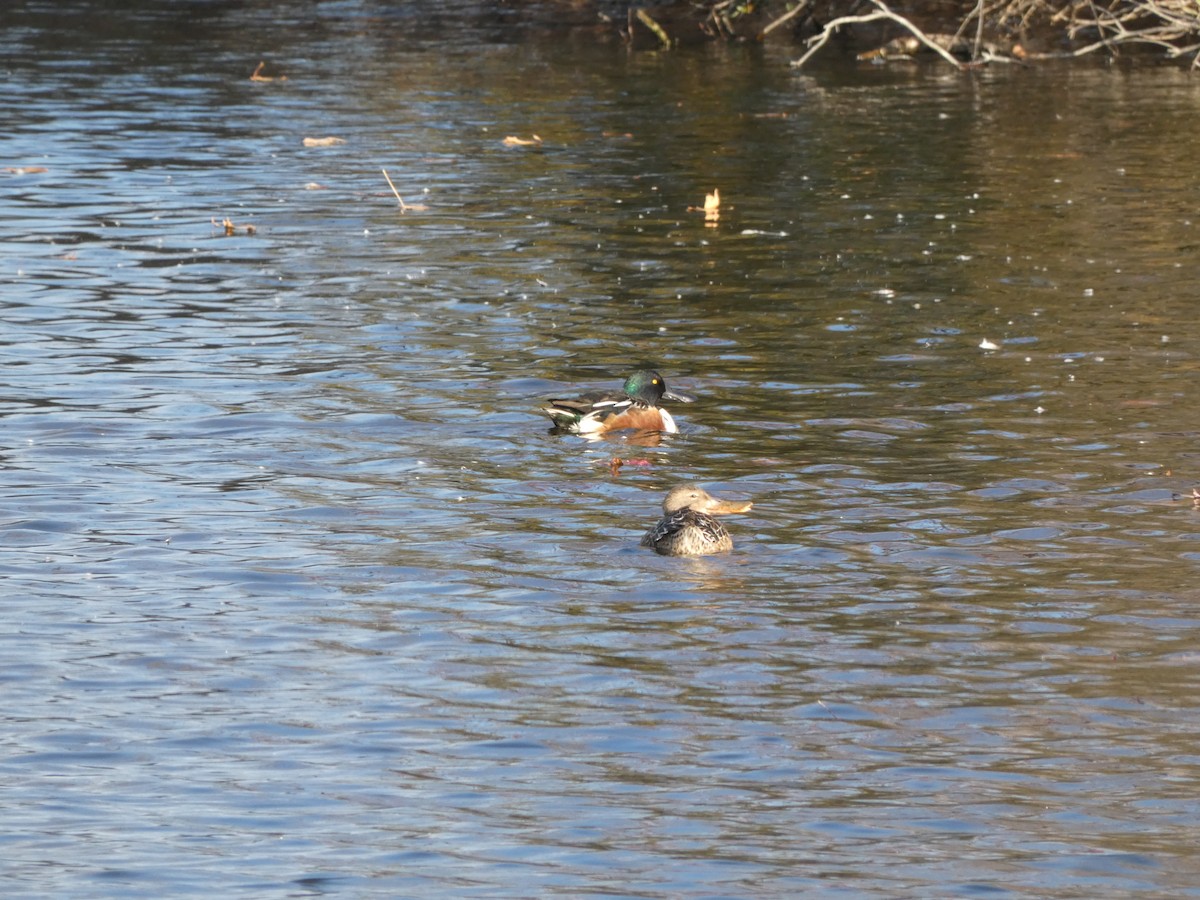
[323, 142]
[513, 141]
[711, 208]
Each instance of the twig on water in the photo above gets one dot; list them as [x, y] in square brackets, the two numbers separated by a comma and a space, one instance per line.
[404, 207]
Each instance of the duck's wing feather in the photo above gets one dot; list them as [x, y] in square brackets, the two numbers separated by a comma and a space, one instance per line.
[587, 411]
[589, 402]
[705, 527]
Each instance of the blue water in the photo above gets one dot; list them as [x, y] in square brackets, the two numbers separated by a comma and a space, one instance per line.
[302, 597]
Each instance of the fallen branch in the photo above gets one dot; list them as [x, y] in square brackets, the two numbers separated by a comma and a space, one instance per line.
[978, 30]
[644, 18]
[883, 12]
[786, 17]
[820, 40]
[1172, 25]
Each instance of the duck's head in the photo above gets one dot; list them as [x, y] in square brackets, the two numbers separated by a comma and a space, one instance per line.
[647, 386]
[692, 496]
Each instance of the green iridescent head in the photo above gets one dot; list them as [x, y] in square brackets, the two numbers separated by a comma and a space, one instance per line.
[647, 386]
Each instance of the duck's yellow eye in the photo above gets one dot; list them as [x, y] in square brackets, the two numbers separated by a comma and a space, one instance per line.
[654, 381]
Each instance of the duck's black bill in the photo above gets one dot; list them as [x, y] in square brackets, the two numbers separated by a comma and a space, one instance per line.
[678, 397]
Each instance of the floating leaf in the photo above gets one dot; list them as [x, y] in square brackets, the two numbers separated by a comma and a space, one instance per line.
[25, 170]
[711, 208]
[513, 141]
[324, 142]
[712, 205]
[230, 229]
[615, 464]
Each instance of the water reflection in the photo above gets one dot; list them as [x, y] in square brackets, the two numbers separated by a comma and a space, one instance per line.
[299, 581]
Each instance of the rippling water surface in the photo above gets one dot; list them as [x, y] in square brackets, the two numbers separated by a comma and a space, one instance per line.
[302, 597]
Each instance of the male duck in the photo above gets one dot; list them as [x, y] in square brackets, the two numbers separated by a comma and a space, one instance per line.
[688, 528]
[636, 407]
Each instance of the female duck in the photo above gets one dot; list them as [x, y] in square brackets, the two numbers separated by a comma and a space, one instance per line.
[688, 528]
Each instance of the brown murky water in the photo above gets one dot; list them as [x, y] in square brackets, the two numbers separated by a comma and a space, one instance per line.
[303, 598]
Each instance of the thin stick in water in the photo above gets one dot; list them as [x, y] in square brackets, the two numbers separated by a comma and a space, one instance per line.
[404, 207]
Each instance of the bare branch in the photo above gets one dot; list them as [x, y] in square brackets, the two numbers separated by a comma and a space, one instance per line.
[882, 13]
[978, 30]
[787, 16]
[1170, 24]
[820, 40]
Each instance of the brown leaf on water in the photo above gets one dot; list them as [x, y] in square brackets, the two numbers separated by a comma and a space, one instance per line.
[259, 76]
[513, 141]
[230, 229]
[323, 142]
[25, 170]
[615, 464]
